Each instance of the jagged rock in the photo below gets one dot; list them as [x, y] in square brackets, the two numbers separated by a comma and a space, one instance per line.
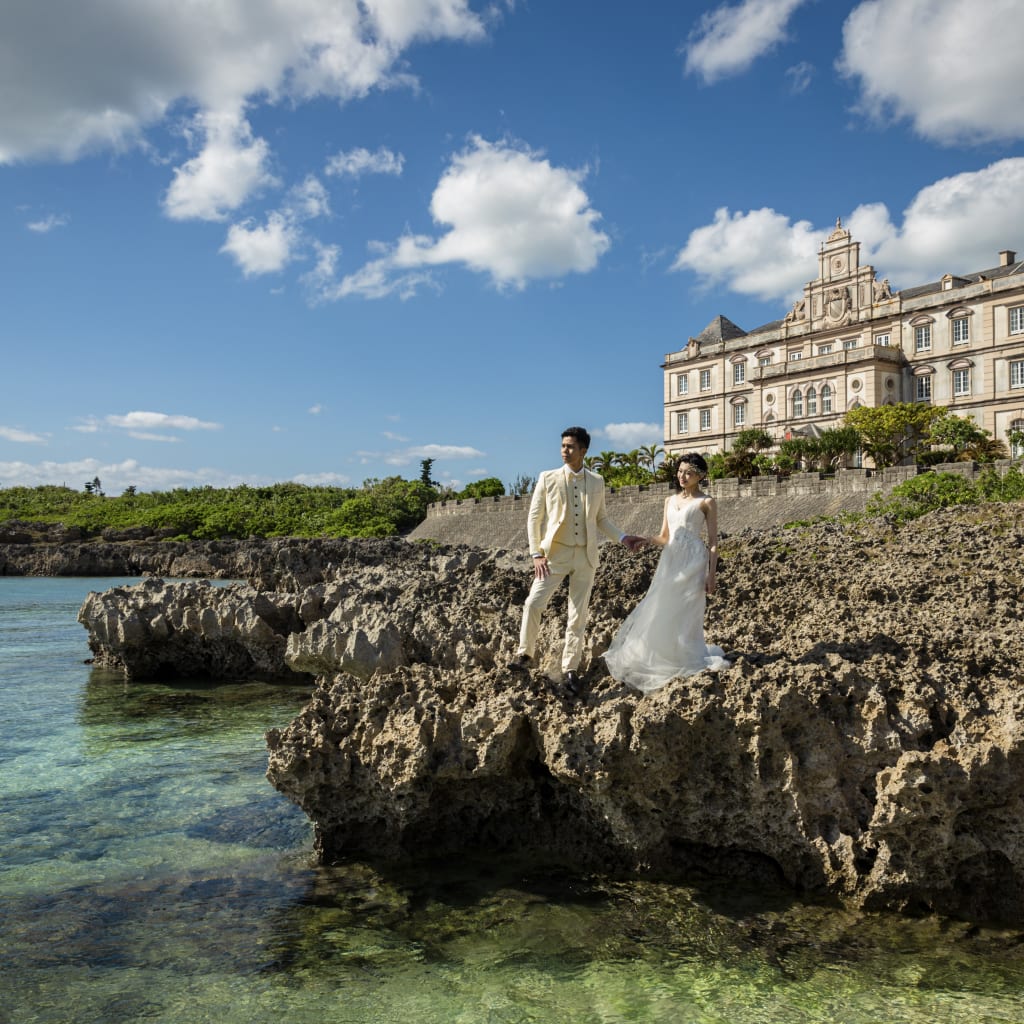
[866, 744]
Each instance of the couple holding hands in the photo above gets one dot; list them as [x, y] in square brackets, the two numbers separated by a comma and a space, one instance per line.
[663, 637]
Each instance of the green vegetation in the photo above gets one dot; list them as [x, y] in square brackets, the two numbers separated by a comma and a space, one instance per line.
[930, 491]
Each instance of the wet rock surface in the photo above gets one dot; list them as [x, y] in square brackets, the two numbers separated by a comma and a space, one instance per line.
[866, 744]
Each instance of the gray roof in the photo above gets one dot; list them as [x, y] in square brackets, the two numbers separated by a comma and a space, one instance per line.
[720, 329]
[992, 274]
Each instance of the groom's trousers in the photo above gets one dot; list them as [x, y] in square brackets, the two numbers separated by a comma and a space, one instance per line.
[564, 560]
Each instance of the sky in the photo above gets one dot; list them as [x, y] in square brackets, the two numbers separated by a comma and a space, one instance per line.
[255, 241]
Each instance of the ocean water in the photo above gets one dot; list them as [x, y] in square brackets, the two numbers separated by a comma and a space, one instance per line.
[150, 873]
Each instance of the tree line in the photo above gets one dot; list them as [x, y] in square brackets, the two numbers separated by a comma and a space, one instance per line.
[888, 435]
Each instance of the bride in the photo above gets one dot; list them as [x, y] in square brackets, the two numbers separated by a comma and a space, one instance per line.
[663, 637]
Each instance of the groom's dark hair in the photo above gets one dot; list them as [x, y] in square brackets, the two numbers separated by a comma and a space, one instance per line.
[579, 435]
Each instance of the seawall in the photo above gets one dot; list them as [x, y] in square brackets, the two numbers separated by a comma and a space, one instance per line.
[756, 503]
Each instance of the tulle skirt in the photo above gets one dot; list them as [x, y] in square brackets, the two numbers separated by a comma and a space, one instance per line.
[663, 637]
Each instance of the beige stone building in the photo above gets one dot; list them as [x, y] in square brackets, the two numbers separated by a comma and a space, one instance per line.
[958, 342]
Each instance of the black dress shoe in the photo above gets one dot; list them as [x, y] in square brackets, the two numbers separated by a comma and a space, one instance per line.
[573, 684]
[521, 663]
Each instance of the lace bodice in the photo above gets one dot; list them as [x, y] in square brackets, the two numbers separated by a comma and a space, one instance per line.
[686, 514]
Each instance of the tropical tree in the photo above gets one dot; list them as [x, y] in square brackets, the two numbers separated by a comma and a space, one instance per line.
[488, 487]
[960, 439]
[523, 484]
[889, 434]
[835, 444]
[740, 460]
[649, 455]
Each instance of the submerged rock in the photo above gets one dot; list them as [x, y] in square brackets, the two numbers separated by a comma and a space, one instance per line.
[867, 743]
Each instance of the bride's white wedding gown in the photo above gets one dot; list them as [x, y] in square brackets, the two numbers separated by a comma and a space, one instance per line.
[663, 637]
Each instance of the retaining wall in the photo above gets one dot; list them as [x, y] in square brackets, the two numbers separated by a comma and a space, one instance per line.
[760, 502]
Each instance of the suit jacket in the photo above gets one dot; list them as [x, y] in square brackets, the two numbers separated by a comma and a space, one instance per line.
[549, 507]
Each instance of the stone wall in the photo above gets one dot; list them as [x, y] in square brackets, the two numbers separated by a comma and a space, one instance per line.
[757, 503]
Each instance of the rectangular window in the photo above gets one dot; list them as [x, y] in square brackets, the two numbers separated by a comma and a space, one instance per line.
[850, 343]
[823, 350]
[705, 380]
[794, 356]
[683, 423]
[739, 414]
[739, 373]
[1017, 373]
[923, 338]
[683, 384]
[961, 382]
[923, 389]
[1017, 320]
[882, 339]
[705, 419]
[961, 330]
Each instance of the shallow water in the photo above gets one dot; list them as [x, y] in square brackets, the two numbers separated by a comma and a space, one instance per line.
[150, 873]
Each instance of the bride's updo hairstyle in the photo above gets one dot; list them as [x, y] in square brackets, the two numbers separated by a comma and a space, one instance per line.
[694, 459]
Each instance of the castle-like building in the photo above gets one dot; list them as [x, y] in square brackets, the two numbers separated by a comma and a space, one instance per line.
[851, 341]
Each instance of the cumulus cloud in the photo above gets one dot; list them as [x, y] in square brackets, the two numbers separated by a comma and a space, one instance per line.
[727, 40]
[261, 249]
[79, 77]
[510, 214]
[627, 436]
[757, 253]
[356, 162]
[955, 225]
[960, 82]
[230, 168]
[21, 436]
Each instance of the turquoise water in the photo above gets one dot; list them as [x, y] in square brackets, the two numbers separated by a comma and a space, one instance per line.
[150, 873]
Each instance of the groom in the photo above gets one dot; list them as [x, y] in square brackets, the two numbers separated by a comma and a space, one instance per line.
[566, 515]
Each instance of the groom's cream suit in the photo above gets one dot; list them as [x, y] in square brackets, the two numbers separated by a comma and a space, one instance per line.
[567, 517]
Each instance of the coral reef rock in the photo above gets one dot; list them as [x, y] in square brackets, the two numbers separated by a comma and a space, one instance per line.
[867, 743]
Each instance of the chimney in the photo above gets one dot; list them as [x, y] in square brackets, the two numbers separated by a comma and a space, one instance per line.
[1006, 257]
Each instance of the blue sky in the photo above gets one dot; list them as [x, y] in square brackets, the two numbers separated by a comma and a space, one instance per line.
[249, 241]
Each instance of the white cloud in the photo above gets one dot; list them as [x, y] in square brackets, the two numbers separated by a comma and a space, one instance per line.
[231, 166]
[307, 200]
[402, 457]
[115, 476]
[261, 250]
[951, 68]
[800, 76]
[727, 40]
[757, 253]
[83, 76]
[357, 162]
[322, 479]
[21, 436]
[159, 420]
[627, 436]
[47, 224]
[315, 410]
[955, 225]
[511, 215]
[141, 435]
[392, 436]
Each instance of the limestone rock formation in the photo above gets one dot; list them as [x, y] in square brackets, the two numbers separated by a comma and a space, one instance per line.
[866, 744]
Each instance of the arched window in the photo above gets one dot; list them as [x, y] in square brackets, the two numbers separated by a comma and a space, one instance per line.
[826, 399]
[812, 402]
[798, 403]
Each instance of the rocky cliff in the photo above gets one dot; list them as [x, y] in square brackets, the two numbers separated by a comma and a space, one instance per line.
[867, 743]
